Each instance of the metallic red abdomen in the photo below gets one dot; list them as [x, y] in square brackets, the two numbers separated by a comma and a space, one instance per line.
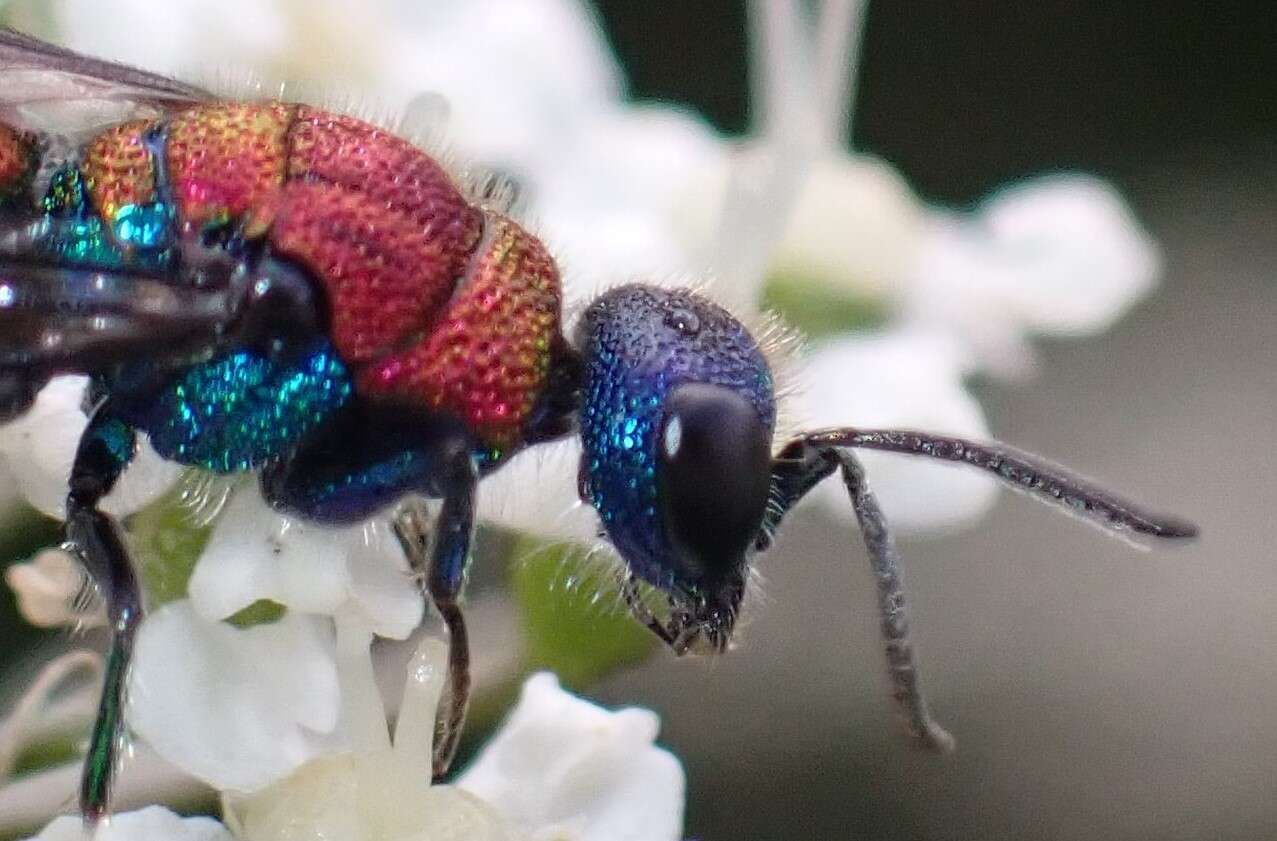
[432, 300]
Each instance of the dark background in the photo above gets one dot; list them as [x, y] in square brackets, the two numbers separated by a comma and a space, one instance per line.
[1095, 692]
[963, 96]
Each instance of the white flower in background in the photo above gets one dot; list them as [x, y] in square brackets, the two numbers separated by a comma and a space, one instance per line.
[47, 588]
[622, 191]
[1059, 255]
[904, 381]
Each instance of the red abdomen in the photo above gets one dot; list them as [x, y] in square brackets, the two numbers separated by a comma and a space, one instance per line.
[432, 300]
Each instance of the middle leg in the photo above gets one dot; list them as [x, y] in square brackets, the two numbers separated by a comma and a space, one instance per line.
[367, 458]
[444, 573]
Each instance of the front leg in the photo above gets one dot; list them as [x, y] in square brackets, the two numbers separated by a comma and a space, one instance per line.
[799, 468]
[884, 559]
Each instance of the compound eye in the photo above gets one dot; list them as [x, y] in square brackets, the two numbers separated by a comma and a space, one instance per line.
[713, 477]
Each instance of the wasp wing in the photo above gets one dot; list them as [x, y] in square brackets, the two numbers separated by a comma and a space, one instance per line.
[58, 316]
[52, 90]
[56, 319]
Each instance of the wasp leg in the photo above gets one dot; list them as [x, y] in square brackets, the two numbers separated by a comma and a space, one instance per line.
[364, 459]
[799, 468]
[643, 614]
[444, 572]
[105, 450]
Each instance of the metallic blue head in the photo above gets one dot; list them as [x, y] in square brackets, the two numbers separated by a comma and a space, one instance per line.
[677, 414]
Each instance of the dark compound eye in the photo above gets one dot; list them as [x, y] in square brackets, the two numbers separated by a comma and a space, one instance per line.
[683, 320]
[713, 474]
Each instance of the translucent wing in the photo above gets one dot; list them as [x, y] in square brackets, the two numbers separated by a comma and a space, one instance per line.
[53, 90]
[58, 316]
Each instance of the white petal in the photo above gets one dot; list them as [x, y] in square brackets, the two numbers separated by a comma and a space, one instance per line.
[147, 477]
[183, 36]
[545, 68]
[537, 493]
[563, 765]
[381, 586]
[238, 708]
[611, 201]
[255, 553]
[154, 823]
[1079, 254]
[1061, 255]
[855, 226]
[903, 380]
[46, 588]
[38, 448]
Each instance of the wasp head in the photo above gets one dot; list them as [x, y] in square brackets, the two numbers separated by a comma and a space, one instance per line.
[676, 421]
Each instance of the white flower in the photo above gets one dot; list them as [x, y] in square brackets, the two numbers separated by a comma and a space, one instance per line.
[560, 768]
[47, 587]
[1060, 255]
[236, 707]
[255, 553]
[154, 823]
[577, 771]
[902, 381]
[38, 449]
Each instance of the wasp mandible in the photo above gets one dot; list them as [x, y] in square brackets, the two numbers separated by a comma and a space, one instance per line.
[269, 287]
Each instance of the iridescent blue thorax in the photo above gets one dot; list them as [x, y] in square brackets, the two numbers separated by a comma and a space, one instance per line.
[138, 235]
[240, 411]
[639, 344]
[233, 413]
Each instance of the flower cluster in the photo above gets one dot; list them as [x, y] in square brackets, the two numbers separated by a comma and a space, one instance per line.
[282, 716]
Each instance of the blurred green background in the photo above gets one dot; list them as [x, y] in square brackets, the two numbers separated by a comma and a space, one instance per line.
[1095, 692]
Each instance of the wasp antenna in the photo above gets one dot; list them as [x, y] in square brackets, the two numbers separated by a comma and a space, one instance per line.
[1022, 471]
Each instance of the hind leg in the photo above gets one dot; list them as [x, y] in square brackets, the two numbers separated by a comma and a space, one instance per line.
[105, 450]
[444, 572]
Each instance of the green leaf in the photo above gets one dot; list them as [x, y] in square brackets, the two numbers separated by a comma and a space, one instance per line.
[260, 612]
[564, 630]
[569, 631]
[821, 309]
[166, 542]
